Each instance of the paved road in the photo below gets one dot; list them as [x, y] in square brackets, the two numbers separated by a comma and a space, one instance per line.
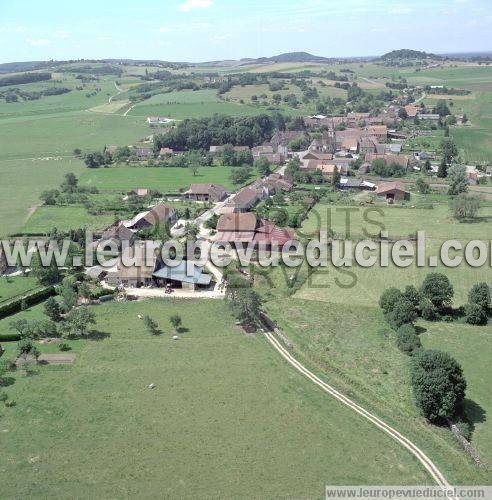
[431, 468]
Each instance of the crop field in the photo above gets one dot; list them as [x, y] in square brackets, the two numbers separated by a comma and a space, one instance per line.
[163, 179]
[227, 417]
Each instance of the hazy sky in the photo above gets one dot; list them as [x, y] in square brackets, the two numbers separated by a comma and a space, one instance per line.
[202, 30]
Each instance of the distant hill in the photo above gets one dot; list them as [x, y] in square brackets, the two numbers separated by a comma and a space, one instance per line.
[290, 57]
[406, 54]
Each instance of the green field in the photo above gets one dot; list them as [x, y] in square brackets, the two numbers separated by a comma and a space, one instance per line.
[364, 285]
[12, 286]
[189, 104]
[228, 418]
[22, 183]
[472, 347]
[63, 218]
[355, 349]
[163, 179]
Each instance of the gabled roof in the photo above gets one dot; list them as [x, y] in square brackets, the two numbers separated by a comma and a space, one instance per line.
[237, 222]
[180, 273]
[206, 189]
[385, 187]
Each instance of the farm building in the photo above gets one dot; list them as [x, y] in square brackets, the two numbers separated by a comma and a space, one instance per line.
[392, 191]
[248, 228]
[180, 277]
[206, 192]
[159, 214]
[139, 192]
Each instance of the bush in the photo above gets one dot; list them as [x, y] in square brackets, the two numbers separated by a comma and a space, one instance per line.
[438, 384]
[64, 347]
[475, 315]
[3, 397]
[438, 289]
[389, 298]
[407, 339]
[480, 295]
[428, 310]
[403, 312]
[15, 305]
[465, 429]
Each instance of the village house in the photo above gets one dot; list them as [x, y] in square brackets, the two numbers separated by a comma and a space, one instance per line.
[368, 144]
[401, 160]
[356, 183]
[238, 228]
[325, 144]
[117, 234]
[139, 192]
[206, 192]
[411, 110]
[135, 266]
[143, 154]
[434, 117]
[313, 155]
[274, 183]
[159, 214]
[165, 152]
[378, 131]
[258, 151]
[217, 150]
[392, 191]
[280, 140]
[247, 198]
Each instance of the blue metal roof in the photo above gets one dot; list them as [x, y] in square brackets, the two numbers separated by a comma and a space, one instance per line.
[179, 273]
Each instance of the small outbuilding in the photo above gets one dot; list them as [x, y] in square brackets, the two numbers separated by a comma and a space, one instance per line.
[392, 191]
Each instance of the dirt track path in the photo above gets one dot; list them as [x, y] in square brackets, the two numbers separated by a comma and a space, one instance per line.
[431, 468]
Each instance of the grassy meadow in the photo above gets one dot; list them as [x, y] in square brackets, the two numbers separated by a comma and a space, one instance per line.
[166, 179]
[13, 286]
[227, 418]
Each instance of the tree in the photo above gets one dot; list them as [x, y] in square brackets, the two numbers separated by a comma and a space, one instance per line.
[193, 168]
[441, 108]
[442, 171]
[438, 289]
[49, 275]
[151, 326]
[191, 231]
[403, 312]
[25, 346]
[438, 384]
[335, 178]
[389, 298]
[243, 300]
[175, 321]
[449, 149]
[427, 166]
[50, 196]
[458, 181]
[479, 294]
[68, 294]
[69, 185]
[407, 339]
[475, 315]
[263, 165]
[77, 321]
[52, 309]
[239, 175]
[422, 186]
[465, 207]
[402, 113]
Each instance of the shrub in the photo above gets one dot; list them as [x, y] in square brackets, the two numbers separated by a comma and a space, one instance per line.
[64, 347]
[475, 315]
[3, 397]
[438, 384]
[403, 312]
[465, 429]
[412, 295]
[480, 294]
[428, 310]
[407, 339]
[438, 289]
[389, 298]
